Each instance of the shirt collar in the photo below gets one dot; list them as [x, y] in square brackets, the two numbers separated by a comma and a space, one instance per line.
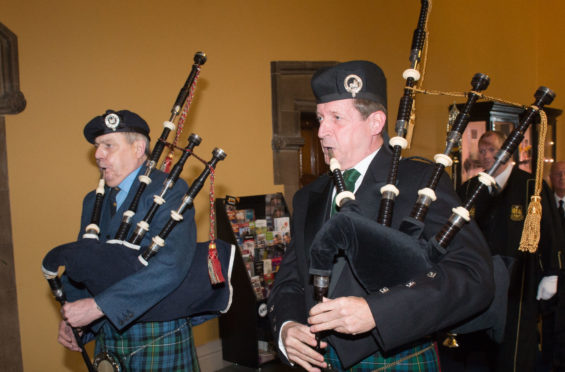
[125, 186]
[502, 178]
[362, 167]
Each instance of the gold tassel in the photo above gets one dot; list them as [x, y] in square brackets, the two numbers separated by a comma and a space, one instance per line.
[531, 232]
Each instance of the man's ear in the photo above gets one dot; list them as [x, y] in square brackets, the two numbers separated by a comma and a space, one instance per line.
[377, 121]
[140, 148]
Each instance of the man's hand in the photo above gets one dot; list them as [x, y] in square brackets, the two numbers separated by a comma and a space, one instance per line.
[81, 313]
[299, 343]
[66, 337]
[350, 315]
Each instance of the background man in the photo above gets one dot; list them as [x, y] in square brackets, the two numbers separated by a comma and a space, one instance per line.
[557, 177]
[115, 316]
[556, 319]
[500, 213]
[379, 328]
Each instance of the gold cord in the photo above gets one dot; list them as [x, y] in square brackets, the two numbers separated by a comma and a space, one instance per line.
[465, 94]
[531, 232]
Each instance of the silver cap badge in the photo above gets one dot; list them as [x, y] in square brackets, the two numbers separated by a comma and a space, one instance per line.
[353, 84]
[112, 121]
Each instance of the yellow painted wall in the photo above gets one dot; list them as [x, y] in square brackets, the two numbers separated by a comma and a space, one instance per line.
[551, 58]
[79, 58]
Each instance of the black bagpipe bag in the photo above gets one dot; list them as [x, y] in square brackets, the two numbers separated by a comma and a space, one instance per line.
[380, 257]
[394, 257]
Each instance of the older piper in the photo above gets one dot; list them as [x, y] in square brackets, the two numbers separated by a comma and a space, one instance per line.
[121, 139]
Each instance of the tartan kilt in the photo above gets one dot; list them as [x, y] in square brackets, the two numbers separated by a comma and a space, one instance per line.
[151, 346]
[422, 358]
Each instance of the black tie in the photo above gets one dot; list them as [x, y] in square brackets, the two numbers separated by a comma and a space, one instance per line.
[495, 189]
[561, 210]
[112, 199]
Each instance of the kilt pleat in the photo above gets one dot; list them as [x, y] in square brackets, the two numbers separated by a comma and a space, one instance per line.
[421, 358]
[151, 346]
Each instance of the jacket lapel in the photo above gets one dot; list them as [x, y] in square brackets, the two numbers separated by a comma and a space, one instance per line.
[318, 210]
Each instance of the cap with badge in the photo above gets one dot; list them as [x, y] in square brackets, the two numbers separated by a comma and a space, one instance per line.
[354, 79]
[115, 121]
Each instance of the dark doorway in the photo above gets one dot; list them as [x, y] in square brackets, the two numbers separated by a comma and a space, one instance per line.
[311, 157]
[295, 163]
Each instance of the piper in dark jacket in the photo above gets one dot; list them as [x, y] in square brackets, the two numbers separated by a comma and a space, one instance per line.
[392, 327]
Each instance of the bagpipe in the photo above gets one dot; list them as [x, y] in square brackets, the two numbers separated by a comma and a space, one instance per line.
[97, 265]
[380, 256]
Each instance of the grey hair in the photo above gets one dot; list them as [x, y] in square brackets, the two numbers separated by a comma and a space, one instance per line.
[131, 137]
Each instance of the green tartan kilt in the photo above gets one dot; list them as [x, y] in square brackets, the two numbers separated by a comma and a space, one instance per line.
[151, 346]
[422, 358]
